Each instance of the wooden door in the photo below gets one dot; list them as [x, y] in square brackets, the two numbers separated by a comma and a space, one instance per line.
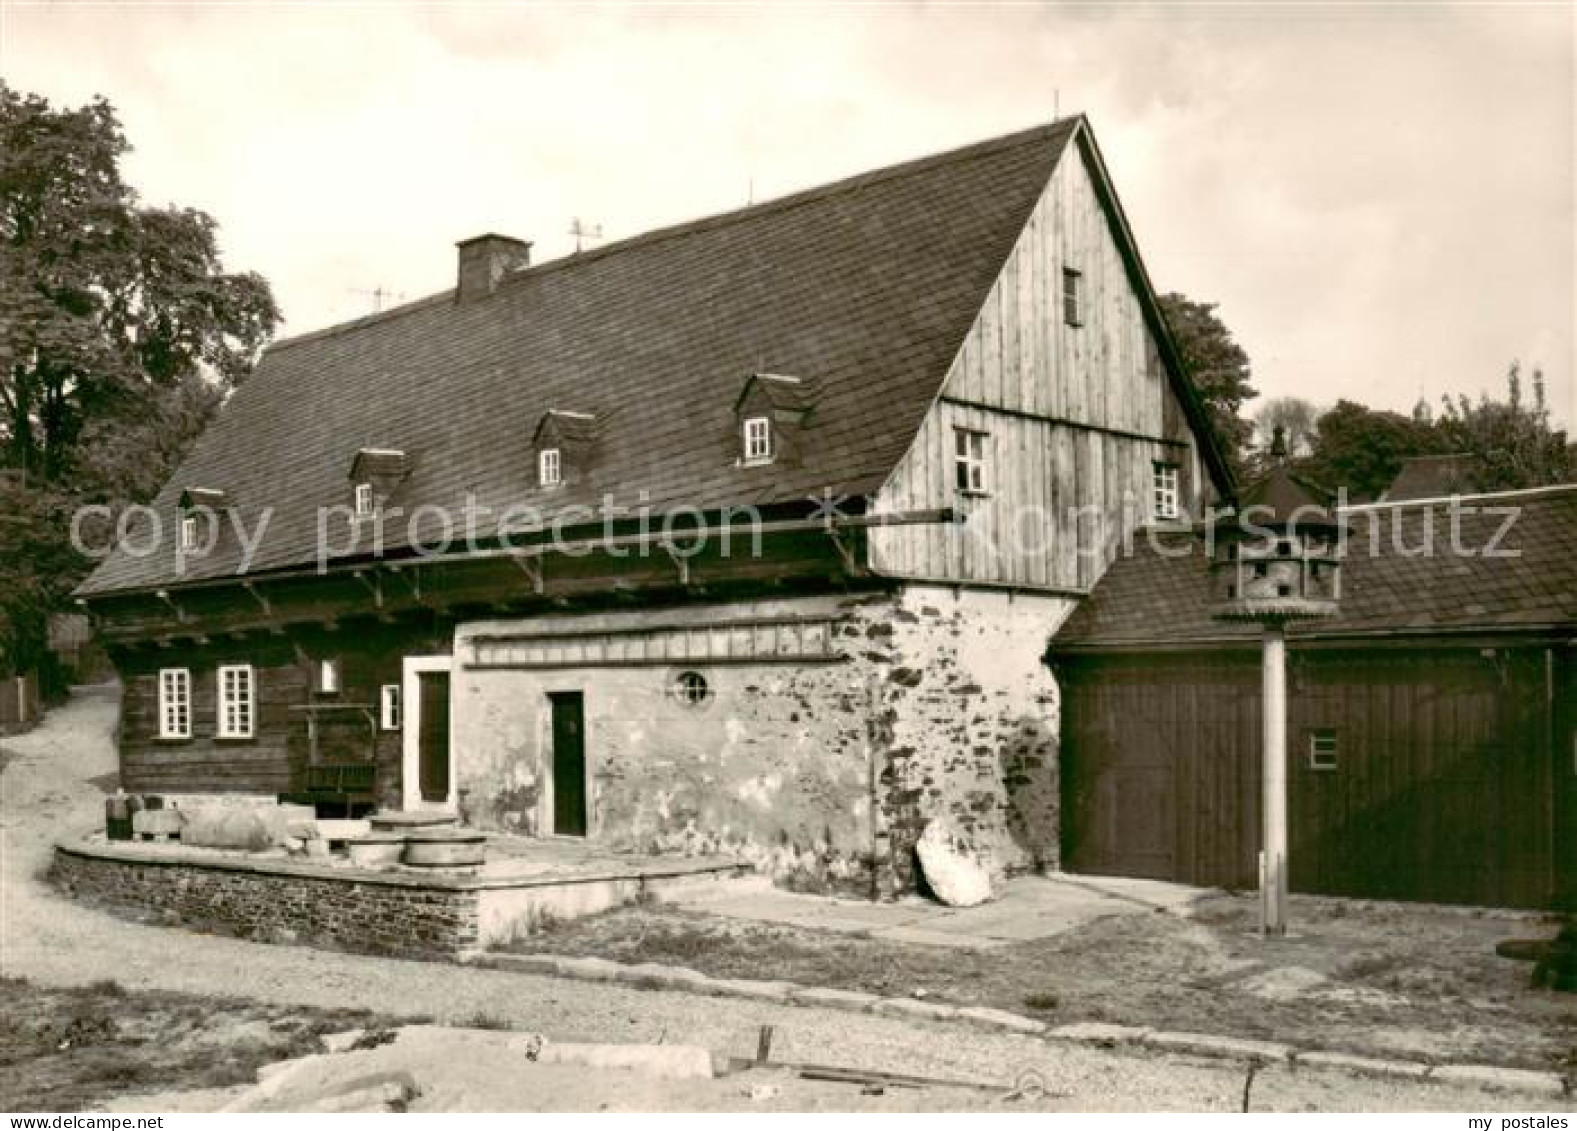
[433, 736]
[569, 763]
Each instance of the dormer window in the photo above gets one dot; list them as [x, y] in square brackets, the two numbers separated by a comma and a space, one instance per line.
[375, 474]
[773, 415]
[565, 445]
[758, 439]
[188, 532]
[550, 467]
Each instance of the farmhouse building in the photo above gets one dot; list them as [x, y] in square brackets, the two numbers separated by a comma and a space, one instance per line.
[898, 426]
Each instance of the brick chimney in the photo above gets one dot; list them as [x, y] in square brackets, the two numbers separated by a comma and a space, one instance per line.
[484, 261]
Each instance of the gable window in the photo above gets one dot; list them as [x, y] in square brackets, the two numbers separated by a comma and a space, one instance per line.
[550, 467]
[1164, 500]
[189, 532]
[758, 439]
[969, 461]
[175, 703]
[389, 707]
[237, 701]
[365, 502]
[1072, 297]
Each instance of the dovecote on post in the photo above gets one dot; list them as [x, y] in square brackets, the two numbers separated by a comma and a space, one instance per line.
[375, 473]
[770, 417]
[563, 447]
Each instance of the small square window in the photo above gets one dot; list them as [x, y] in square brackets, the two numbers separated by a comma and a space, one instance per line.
[1322, 750]
[969, 462]
[389, 707]
[366, 503]
[758, 439]
[1164, 491]
[1072, 297]
[550, 467]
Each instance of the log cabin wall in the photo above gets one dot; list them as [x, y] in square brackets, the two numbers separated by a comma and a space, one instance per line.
[1075, 416]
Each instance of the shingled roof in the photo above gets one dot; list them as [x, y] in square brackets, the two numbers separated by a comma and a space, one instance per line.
[1157, 597]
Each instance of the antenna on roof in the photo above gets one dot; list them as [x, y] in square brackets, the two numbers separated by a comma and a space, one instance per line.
[1056, 104]
[378, 294]
[582, 230]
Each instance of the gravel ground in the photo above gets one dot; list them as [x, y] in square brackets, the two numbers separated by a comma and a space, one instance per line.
[45, 790]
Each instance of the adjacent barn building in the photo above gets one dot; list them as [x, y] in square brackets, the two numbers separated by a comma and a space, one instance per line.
[747, 535]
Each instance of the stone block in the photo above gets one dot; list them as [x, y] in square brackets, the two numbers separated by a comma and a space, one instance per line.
[1363, 1065]
[1206, 1044]
[1098, 1033]
[1500, 1079]
[987, 1018]
[852, 1001]
[912, 1009]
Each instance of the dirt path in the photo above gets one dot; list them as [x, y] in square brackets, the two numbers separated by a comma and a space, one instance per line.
[53, 783]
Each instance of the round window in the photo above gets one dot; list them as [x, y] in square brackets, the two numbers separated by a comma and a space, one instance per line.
[691, 688]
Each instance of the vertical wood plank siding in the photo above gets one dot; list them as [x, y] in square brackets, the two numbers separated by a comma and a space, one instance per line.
[1076, 416]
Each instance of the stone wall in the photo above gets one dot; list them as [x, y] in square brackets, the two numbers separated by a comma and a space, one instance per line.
[968, 724]
[285, 903]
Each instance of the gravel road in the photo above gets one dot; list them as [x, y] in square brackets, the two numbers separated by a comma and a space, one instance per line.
[51, 784]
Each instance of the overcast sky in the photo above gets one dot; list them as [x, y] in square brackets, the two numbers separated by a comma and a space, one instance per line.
[1380, 198]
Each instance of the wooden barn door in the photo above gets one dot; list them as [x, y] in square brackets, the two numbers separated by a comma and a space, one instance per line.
[1437, 781]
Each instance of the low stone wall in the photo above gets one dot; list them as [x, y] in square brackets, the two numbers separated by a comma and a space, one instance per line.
[276, 899]
[284, 902]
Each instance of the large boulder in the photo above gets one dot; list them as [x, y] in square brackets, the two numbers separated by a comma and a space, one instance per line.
[954, 874]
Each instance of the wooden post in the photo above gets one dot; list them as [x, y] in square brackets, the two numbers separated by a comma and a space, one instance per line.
[1273, 881]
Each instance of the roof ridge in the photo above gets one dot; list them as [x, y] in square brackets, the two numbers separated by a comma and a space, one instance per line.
[1527, 494]
[788, 202]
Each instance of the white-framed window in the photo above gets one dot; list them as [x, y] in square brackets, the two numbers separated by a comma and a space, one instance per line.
[366, 502]
[1072, 296]
[328, 677]
[389, 707]
[1322, 750]
[550, 467]
[237, 701]
[188, 532]
[1164, 499]
[969, 462]
[175, 703]
[758, 439]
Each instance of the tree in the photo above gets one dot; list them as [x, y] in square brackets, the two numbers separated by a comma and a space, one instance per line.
[120, 334]
[103, 304]
[1361, 449]
[1511, 444]
[1219, 367]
